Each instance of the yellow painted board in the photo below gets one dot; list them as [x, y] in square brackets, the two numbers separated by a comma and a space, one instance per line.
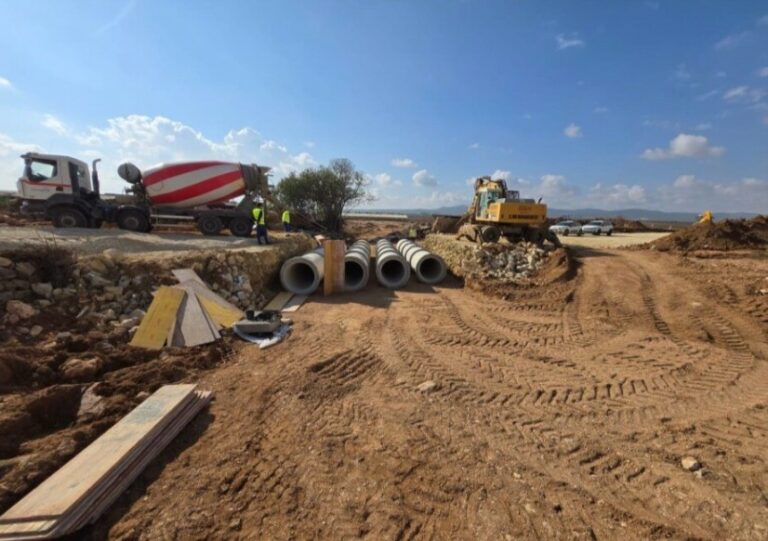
[52, 500]
[279, 301]
[160, 319]
[333, 262]
[222, 312]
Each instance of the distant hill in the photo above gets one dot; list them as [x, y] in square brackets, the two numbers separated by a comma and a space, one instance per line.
[581, 214]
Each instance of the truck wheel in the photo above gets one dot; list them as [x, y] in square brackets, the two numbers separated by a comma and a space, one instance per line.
[241, 226]
[210, 225]
[566, 232]
[133, 220]
[69, 218]
[95, 223]
[610, 232]
[490, 233]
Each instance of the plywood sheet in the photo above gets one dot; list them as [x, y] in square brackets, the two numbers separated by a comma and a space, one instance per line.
[57, 496]
[193, 326]
[295, 303]
[333, 272]
[182, 275]
[160, 318]
[279, 301]
[221, 311]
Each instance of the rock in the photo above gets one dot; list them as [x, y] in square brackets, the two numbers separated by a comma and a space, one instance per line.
[35, 331]
[109, 315]
[103, 346]
[77, 369]
[7, 274]
[138, 312]
[21, 309]
[130, 322]
[63, 337]
[23, 330]
[115, 291]
[25, 269]
[113, 254]
[97, 280]
[43, 289]
[689, 463]
[12, 319]
[91, 404]
[5, 262]
[427, 386]
[95, 266]
[142, 395]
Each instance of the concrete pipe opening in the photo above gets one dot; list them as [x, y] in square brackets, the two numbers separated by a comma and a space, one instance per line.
[431, 270]
[299, 276]
[355, 275]
[393, 273]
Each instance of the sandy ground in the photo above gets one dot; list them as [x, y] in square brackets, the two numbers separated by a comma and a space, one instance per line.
[95, 241]
[616, 240]
[561, 413]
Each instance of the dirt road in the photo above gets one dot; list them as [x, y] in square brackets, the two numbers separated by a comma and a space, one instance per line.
[563, 413]
[616, 240]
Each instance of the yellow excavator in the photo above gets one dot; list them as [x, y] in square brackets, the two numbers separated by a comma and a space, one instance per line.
[706, 217]
[497, 211]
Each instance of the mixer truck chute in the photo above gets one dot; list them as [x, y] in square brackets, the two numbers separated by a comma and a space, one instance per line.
[201, 192]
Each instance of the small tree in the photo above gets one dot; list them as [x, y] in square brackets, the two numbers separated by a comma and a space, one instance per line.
[322, 193]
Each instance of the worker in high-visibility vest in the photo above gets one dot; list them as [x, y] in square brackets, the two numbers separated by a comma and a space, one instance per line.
[260, 219]
[286, 220]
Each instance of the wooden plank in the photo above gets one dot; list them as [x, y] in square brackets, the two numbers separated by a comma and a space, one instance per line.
[222, 312]
[160, 318]
[182, 275]
[279, 301]
[295, 303]
[70, 485]
[192, 327]
[333, 260]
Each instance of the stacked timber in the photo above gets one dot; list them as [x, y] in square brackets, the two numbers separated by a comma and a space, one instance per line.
[81, 490]
[189, 314]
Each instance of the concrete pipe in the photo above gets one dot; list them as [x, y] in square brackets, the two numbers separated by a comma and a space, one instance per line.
[392, 269]
[429, 268]
[357, 266]
[301, 275]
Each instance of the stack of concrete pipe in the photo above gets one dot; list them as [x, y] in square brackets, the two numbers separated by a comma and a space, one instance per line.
[302, 275]
[392, 269]
[429, 268]
[357, 265]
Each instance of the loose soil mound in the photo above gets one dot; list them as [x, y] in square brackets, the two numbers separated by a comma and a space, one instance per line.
[57, 398]
[622, 225]
[725, 235]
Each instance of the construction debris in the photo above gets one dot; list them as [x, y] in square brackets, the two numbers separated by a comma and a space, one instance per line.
[724, 235]
[81, 490]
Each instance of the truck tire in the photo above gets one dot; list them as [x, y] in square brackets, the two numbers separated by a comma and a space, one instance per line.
[610, 232]
[566, 232]
[133, 220]
[68, 217]
[210, 225]
[241, 226]
[490, 233]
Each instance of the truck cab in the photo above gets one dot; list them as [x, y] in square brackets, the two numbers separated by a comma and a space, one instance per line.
[46, 175]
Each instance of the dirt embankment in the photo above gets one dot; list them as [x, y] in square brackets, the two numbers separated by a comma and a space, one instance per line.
[67, 372]
[725, 235]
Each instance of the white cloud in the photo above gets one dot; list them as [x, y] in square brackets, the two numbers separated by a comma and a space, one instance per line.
[682, 73]
[763, 20]
[732, 40]
[5, 83]
[404, 162]
[703, 126]
[423, 178]
[572, 131]
[763, 72]
[54, 124]
[147, 141]
[555, 188]
[618, 194]
[309, 144]
[744, 94]
[600, 110]
[720, 74]
[708, 95]
[474, 146]
[564, 42]
[692, 193]
[501, 175]
[685, 146]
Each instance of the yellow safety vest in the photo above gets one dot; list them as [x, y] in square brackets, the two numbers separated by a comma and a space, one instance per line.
[286, 217]
[258, 216]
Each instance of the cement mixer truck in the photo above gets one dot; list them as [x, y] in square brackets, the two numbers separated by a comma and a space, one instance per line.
[63, 189]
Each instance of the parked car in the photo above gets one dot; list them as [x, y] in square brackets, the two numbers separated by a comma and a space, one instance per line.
[598, 226]
[566, 228]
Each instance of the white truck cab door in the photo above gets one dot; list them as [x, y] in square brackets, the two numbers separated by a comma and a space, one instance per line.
[43, 178]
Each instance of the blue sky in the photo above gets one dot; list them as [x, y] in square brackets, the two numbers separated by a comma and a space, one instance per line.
[655, 104]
